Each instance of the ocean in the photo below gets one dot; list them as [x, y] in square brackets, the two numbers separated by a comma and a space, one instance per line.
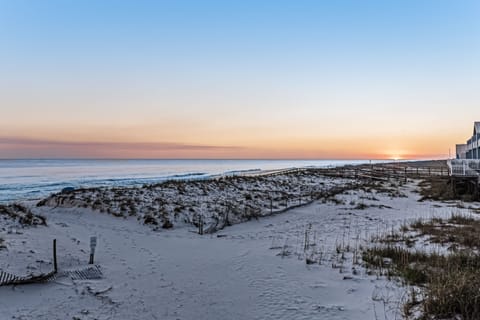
[35, 179]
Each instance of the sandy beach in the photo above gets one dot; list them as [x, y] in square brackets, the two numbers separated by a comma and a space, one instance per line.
[301, 263]
[239, 160]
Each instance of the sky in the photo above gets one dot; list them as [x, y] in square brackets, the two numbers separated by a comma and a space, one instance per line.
[300, 79]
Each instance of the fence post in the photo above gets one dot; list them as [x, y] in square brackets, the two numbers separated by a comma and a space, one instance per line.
[200, 225]
[93, 244]
[55, 255]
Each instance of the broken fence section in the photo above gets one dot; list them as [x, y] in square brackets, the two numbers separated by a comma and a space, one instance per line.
[11, 279]
[88, 273]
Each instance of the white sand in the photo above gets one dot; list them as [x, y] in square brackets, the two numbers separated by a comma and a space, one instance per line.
[177, 274]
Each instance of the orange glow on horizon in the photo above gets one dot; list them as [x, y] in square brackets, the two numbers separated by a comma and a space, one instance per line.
[251, 140]
[333, 148]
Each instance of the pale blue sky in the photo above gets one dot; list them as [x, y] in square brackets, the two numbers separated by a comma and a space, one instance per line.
[258, 75]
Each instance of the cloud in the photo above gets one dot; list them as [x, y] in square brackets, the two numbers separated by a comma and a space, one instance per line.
[20, 147]
[23, 142]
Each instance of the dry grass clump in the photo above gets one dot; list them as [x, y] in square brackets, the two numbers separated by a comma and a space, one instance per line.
[453, 293]
[459, 231]
[150, 219]
[22, 214]
[450, 283]
[361, 206]
[436, 188]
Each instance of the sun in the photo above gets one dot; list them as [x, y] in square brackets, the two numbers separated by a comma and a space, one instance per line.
[395, 154]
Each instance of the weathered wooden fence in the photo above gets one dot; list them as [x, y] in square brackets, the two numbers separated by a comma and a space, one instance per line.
[7, 278]
[89, 273]
[384, 173]
[11, 279]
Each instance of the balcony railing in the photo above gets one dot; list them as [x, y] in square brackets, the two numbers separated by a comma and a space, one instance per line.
[464, 167]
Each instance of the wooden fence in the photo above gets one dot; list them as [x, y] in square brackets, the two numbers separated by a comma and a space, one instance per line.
[384, 173]
[376, 171]
[88, 273]
[11, 279]
[91, 272]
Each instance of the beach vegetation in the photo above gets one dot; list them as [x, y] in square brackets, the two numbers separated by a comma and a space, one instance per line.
[436, 188]
[150, 219]
[448, 281]
[22, 214]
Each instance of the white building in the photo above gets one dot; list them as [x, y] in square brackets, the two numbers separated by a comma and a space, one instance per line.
[467, 162]
[470, 150]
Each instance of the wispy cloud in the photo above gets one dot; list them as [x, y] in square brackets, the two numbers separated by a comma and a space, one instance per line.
[19, 147]
[18, 141]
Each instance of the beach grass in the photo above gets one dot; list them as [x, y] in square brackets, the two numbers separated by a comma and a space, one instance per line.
[449, 281]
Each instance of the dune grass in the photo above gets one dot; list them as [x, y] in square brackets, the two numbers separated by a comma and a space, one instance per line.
[436, 188]
[450, 282]
[22, 214]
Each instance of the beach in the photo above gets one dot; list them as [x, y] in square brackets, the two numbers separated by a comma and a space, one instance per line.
[279, 246]
[239, 160]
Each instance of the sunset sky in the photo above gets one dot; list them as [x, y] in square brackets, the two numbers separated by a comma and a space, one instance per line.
[238, 79]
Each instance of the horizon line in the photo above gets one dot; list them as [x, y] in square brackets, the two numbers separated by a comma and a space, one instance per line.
[267, 159]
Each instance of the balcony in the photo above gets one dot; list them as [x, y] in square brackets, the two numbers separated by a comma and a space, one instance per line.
[464, 167]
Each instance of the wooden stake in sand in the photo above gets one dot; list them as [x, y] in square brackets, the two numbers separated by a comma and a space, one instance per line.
[93, 244]
[55, 255]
